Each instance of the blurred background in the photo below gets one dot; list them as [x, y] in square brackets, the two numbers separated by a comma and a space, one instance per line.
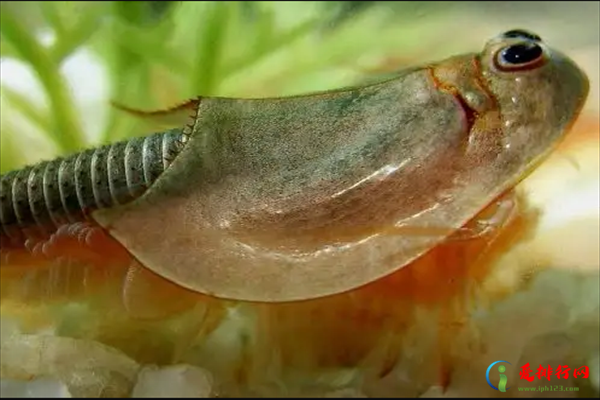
[62, 63]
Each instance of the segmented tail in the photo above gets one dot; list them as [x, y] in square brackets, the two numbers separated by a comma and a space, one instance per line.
[64, 190]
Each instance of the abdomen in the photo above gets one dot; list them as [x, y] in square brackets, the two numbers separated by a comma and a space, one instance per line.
[41, 198]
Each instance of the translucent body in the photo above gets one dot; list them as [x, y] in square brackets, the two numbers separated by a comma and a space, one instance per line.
[302, 197]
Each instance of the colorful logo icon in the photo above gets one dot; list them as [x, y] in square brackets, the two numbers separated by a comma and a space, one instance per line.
[503, 379]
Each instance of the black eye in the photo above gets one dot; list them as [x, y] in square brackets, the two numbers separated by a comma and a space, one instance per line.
[522, 34]
[520, 56]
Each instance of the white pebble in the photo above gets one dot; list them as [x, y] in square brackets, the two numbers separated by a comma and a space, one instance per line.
[38, 388]
[183, 381]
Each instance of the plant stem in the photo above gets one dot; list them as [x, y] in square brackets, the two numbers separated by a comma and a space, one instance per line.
[277, 43]
[205, 72]
[21, 104]
[11, 155]
[65, 133]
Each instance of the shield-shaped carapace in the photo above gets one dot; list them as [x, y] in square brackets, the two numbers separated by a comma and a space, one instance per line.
[300, 197]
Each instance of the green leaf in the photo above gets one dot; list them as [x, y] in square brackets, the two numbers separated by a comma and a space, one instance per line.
[65, 133]
[149, 47]
[51, 13]
[9, 155]
[27, 109]
[205, 71]
[75, 37]
[140, 13]
[72, 14]
[281, 40]
[7, 50]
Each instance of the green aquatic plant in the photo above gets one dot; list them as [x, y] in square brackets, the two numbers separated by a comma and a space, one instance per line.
[158, 53]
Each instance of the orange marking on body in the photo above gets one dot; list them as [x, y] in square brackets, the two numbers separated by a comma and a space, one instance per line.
[322, 333]
[177, 116]
[189, 105]
[471, 115]
[80, 260]
[67, 262]
[481, 84]
[442, 272]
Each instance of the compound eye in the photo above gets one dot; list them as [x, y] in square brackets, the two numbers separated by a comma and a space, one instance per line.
[521, 34]
[520, 56]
